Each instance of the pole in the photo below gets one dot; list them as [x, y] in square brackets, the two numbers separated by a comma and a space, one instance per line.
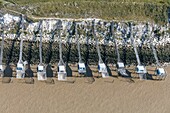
[134, 46]
[97, 44]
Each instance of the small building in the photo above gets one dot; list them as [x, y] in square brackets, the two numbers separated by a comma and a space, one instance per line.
[20, 70]
[81, 68]
[141, 69]
[121, 69]
[120, 65]
[160, 72]
[41, 74]
[62, 73]
[1, 70]
[103, 70]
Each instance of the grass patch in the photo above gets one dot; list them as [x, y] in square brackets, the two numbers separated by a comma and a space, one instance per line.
[138, 10]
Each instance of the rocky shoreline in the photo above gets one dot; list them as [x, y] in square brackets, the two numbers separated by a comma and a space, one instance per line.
[89, 53]
[145, 34]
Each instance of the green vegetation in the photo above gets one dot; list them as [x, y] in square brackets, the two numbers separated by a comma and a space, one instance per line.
[1, 3]
[138, 10]
[38, 1]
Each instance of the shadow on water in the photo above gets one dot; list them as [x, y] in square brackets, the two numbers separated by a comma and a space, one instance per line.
[49, 54]
[128, 78]
[141, 54]
[7, 74]
[30, 52]
[88, 72]
[89, 75]
[87, 54]
[105, 60]
[28, 71]
[68, 52]
[49, 71]
[149, 76]
[49, 74]
[109, 71]
[68, 70]
[129, 73]
[104, 52]
[124, 54]
[29, 75]
[8, 70]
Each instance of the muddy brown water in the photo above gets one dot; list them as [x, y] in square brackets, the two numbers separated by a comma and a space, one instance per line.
[119, 96]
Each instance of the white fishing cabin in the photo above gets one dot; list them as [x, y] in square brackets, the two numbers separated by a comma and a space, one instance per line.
[81, 68]
[103, 70]
[41, 73]
[62, 75]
